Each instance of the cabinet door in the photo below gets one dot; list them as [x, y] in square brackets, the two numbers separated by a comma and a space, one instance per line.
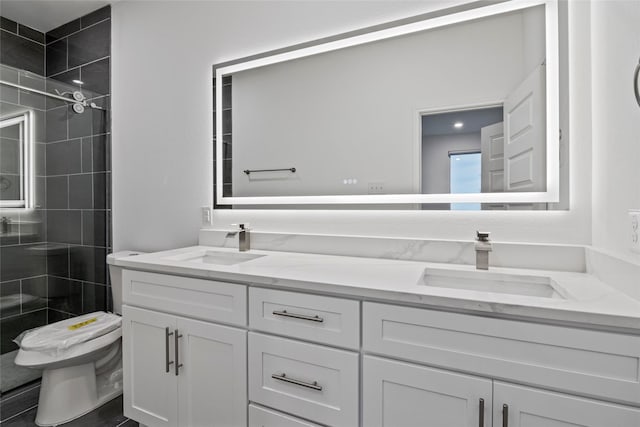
[212, 381]
[398, 394]
[150, 392]
[529, 407]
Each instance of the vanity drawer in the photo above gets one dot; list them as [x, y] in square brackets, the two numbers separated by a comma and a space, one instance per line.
[592, 363]
[263, 417]
[307, 380]
[327, 320]
[198, 298]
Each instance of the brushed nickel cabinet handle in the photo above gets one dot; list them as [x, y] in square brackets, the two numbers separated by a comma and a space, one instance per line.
[167, 362]
[283, 377]
[636, 74]
[505, 415]
[176, 337]
[285, 313]
[481, 416]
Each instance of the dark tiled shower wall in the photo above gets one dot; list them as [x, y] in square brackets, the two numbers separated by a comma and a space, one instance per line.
[78, 169]
[23, 262]
[56, 253]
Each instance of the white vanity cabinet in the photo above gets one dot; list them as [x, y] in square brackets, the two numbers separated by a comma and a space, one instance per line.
[530, 407]
[399, 394]
[181, 371]
[599, 364]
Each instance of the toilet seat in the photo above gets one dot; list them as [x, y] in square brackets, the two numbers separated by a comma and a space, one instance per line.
[61, 336]
[74, 355]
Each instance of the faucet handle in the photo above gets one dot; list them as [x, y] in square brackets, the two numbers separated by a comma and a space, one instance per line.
[482, 236]
[242, 226]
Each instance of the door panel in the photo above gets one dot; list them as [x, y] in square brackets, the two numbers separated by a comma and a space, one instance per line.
[525, 135]
[529, 407]
[150, 393]
[492, 147]
[212, 381]
[398, 394]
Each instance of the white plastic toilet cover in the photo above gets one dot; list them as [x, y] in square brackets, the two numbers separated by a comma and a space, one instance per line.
[61, 335]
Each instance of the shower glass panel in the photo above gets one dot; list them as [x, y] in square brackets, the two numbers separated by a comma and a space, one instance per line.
[52, 253]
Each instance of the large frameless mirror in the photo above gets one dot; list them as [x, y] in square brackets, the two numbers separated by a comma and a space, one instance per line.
[457, 111]
[16, 161]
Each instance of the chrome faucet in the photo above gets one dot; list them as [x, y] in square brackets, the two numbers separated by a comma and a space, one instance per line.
[483, 247]
[244, 243]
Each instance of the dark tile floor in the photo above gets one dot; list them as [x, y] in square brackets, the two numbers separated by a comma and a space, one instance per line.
[18, 409]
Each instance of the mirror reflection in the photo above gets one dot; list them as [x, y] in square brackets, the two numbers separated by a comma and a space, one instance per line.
[459, 109]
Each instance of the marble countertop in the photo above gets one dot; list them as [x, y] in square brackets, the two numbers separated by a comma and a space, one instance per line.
[588, 301]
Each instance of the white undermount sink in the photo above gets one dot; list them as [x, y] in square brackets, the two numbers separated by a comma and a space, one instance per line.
[487, 281]
[216, 257]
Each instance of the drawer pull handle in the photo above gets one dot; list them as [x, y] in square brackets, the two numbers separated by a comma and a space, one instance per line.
[505, 415]
[178, 365]
[481, 419]
[285, 313]
[283, 377]
[167, 363]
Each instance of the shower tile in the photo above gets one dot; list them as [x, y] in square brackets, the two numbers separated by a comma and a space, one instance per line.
[90, 44]
[40, 134]
[21, 53]
[34, 292]
[63, 30]
[88, 264]
[226, 96]
[33, 100]
[100, 191]
[33, 226]
[10, 291]
[14, 326]
[31, 33]
[54, 316]
[56, 124]
[41, 193]
[40, 159]
[64, 157]
[94, 297]
[56, 57]
[64, 294]
[58, 192]
[64, 227]
[95, 16]
[94, 228]
[22, 400]
[87, 154]
[8, 24]
[80, 124]
[66, 78]
[101, 153]
[58, 261]
[17, 262]
[226, 121]
[81, 191]
[96, 76]
[7, 93]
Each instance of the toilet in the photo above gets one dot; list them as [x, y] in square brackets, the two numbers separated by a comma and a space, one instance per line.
[80, 358]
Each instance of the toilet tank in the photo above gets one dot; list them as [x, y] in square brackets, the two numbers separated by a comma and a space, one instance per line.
[115, 273]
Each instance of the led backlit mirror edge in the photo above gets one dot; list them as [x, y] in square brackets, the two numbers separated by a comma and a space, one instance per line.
[27, 160]
[552, 195]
